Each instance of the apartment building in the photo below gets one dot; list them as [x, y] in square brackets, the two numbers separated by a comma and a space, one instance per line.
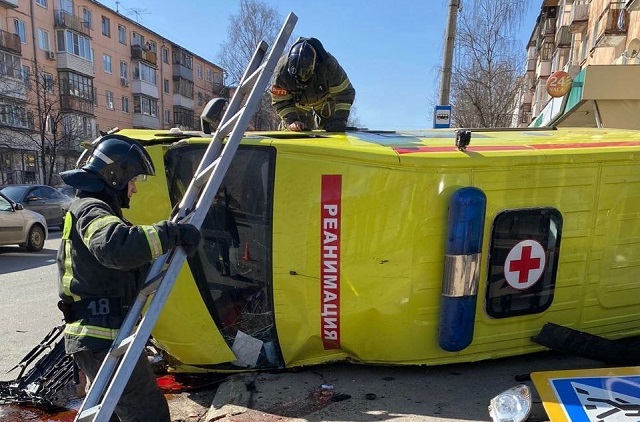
[596, 42]
[72, 68]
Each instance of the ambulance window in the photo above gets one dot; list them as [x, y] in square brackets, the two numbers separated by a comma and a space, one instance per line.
[523, 263]
[233, 268]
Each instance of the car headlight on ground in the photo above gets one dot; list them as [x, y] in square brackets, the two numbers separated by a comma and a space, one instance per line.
[512, 405]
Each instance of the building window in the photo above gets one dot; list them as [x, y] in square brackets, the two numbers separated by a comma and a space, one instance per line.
[87, 16]
[166, 86]
[42, 3]
[145, 105]
[167, 115]
[74, 43]
[122, 34]
[106, 26]
[106, 63]
[10, 65]
[26, 76]
[199, 71]
[76, 85]
[137, 39]
[95, 96]
[165, 55]
[125, 104]
[14, 115]
[43, 40]
[209, 75]
[47, 82]
[20, 29]
[124, 70]
[145, 73]
[66, 6]
[152, 46]
[109, 100]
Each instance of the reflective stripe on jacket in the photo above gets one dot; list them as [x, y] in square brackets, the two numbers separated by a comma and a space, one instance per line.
[104, 256]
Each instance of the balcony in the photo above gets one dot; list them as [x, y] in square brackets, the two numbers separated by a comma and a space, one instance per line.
[76, 104]
[632, 5]
[10, 42]
[544, 69]
[142, 53]
[64, 19]
[563, 37]
[612, 25]
[579, 17]
[9, 4]
[531, 64]
[549, 27]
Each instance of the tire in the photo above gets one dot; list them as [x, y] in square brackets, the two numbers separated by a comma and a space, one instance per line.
[35, 239]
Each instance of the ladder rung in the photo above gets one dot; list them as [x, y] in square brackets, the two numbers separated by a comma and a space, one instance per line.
[200, 179]
[249, 83]
[123, 346]
[88, 414]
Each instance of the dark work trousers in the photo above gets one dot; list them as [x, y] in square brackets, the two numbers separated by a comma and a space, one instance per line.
[142, 400]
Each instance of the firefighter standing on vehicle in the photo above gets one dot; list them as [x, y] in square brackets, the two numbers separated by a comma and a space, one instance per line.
[102, 263]
[311, 89]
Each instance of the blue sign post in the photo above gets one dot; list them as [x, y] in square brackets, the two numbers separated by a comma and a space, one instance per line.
[442, 117]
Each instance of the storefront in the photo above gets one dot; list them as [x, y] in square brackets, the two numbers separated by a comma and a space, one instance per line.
[600, 96]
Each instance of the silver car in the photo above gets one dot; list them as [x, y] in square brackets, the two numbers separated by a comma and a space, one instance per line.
[42, 199]
[21, 227]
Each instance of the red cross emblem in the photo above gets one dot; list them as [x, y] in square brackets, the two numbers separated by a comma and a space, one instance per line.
[524, 264]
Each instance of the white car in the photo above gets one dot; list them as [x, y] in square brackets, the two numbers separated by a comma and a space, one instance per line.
[21, 227]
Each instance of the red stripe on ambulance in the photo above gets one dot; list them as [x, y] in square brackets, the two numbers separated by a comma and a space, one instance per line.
[497, 148]
[331, 203]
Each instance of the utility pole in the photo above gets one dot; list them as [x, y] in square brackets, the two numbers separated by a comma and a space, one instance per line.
[447, 55]
[442, 112]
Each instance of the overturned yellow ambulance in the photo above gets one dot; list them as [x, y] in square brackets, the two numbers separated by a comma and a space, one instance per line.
[428, 247]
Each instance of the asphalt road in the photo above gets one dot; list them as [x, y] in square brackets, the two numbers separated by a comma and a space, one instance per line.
[28, 296]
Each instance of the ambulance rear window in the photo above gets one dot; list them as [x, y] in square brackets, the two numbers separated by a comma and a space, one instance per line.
[525, 245]
[233, 269]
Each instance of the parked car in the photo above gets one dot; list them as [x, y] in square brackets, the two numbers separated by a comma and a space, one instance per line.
[42, 199]
[21, 227]
[67, 190]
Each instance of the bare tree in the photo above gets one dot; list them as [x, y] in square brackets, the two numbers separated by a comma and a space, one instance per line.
[487, 63]
[46, 128]
[256, 21]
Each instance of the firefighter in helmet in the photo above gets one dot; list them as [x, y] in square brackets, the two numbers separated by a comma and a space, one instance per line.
[102, 264]
[311, 89]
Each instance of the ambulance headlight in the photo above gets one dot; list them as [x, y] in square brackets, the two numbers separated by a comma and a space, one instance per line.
[513, 405]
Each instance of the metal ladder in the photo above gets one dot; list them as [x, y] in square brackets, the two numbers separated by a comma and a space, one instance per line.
[107, 387]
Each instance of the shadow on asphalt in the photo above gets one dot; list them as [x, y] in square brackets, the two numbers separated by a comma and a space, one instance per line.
[14, 258]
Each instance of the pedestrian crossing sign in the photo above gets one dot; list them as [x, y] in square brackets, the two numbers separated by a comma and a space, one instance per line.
[590, 395]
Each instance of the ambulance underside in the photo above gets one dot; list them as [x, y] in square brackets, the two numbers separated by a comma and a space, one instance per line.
[323, 249]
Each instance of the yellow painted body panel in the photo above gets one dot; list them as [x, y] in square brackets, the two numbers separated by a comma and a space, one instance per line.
[395, 195]
[184, 326]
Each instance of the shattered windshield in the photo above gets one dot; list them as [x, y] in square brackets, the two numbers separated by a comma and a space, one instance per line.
[233, 269]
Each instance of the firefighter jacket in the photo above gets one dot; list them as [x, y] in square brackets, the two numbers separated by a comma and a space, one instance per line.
[329, 92]
[102, 264]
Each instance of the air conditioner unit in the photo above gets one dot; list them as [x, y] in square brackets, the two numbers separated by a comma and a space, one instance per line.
[51, 55]
[124, 81]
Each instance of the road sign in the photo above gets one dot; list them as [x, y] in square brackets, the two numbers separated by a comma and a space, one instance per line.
[442, 117]
[590, 395]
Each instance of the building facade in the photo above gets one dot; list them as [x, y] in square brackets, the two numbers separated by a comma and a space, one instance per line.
[72, 68]
[596, 42]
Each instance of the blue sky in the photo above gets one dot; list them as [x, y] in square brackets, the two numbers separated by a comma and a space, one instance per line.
[392, 51]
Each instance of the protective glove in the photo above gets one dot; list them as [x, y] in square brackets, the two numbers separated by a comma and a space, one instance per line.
[335, 125]
[190, 238]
